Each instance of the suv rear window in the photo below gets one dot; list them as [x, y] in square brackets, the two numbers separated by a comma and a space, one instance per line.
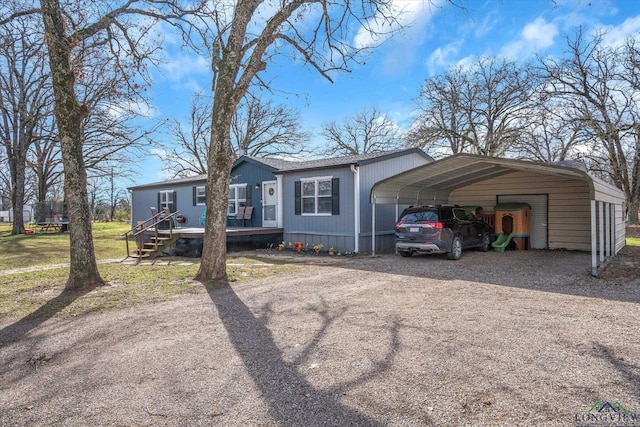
[421, 216]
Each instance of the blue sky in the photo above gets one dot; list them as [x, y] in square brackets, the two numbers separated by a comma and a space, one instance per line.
[439, 36]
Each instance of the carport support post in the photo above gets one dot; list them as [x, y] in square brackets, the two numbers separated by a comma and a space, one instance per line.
[594, 248]
[613, 229]
[607, 236]
[373, 229]
[602, 227]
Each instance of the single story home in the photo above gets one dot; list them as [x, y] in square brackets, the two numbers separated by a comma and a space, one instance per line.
[314, 202]
[570, 209]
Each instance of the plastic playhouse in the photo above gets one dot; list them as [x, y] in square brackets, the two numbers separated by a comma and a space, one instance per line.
[512, 223]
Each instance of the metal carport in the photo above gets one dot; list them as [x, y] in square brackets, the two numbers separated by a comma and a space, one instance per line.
[434, 183]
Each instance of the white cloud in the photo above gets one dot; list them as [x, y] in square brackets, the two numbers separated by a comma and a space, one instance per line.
[615, 36]
[183, 65]
[408, 13]
[536, 36]
[139, 108]
[442, 57]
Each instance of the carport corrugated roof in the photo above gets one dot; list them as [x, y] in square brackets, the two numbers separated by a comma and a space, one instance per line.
[432, 183]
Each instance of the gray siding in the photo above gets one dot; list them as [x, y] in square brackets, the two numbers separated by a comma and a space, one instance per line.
[385, 214]
[329, 230]
[338, 231]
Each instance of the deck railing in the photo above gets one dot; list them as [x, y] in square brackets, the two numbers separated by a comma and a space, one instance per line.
[150, 226]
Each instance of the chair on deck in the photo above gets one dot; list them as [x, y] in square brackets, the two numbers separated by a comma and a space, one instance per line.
[240, 215]
[248, 212]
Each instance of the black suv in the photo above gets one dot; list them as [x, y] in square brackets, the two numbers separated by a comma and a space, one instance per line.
[441, 229]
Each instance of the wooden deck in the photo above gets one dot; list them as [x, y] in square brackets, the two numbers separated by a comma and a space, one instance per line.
[238, 238]
[232, 232]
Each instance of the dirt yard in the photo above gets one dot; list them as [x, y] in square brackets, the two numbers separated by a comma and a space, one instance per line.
[520, 338]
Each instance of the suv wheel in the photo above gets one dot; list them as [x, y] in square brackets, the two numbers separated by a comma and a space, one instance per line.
[456, 248]
[405, 254]
[486, 242]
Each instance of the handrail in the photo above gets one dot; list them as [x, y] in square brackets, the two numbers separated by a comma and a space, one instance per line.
[139, 230]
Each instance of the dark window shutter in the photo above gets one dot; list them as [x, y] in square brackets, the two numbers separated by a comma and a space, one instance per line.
[335, 196]
[249, 193]
[159, 206]
[175, 202]
[194, 196]
[298, 197]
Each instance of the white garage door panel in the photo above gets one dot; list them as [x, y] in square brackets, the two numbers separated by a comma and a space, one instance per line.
[539, 215]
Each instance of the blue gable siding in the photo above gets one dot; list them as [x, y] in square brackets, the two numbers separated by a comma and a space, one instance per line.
[252, 173]
[144, 198]
[247, 172]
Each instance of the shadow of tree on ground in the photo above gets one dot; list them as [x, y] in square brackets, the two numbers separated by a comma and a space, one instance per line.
[629, 371]
[292, 399]
[22, 327]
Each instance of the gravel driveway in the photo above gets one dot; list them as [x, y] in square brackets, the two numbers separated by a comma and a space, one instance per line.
[520, 338]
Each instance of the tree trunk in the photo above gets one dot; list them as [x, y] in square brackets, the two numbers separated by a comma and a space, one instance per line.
[213, 266]
[17, 197]
[634, 207]
[69, 113]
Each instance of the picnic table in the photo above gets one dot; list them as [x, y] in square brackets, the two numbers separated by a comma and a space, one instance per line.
[53, 226]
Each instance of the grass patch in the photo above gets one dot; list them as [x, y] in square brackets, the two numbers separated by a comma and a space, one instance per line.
[26, 250]
[128, 285]
[24, 293]
[633, 241]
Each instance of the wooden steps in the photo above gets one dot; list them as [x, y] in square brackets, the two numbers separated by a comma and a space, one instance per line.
[149, 240]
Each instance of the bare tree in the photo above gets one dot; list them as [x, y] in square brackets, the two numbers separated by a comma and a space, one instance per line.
[551, 134]
[631, 75]
[368, 131]
[75, 41]
[443, 124]
[481, 109]
[25, 99]
[45, 161]
[5, 181]
[259, 129]
[592, 78]
[187, 154]
[245, 40]
[263, 129]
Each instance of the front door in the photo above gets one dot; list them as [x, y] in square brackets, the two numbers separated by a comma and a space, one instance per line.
[269, 204]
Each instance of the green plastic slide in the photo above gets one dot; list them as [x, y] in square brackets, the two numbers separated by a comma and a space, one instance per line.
[502, 242]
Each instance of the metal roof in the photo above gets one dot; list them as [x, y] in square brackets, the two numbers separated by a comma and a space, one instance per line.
[432, 183]
[346, 161]
[283, 166]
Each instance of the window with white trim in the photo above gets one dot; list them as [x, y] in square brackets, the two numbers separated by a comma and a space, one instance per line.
[166, 200]
[201, 195]
[237, 198]
[316, 196]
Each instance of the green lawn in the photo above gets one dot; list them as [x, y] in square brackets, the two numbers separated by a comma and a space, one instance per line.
[24, 293]
[26, 250]
[633, 241]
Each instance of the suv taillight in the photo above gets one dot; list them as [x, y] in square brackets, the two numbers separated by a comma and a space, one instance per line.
[437, 225]
[398, 224]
